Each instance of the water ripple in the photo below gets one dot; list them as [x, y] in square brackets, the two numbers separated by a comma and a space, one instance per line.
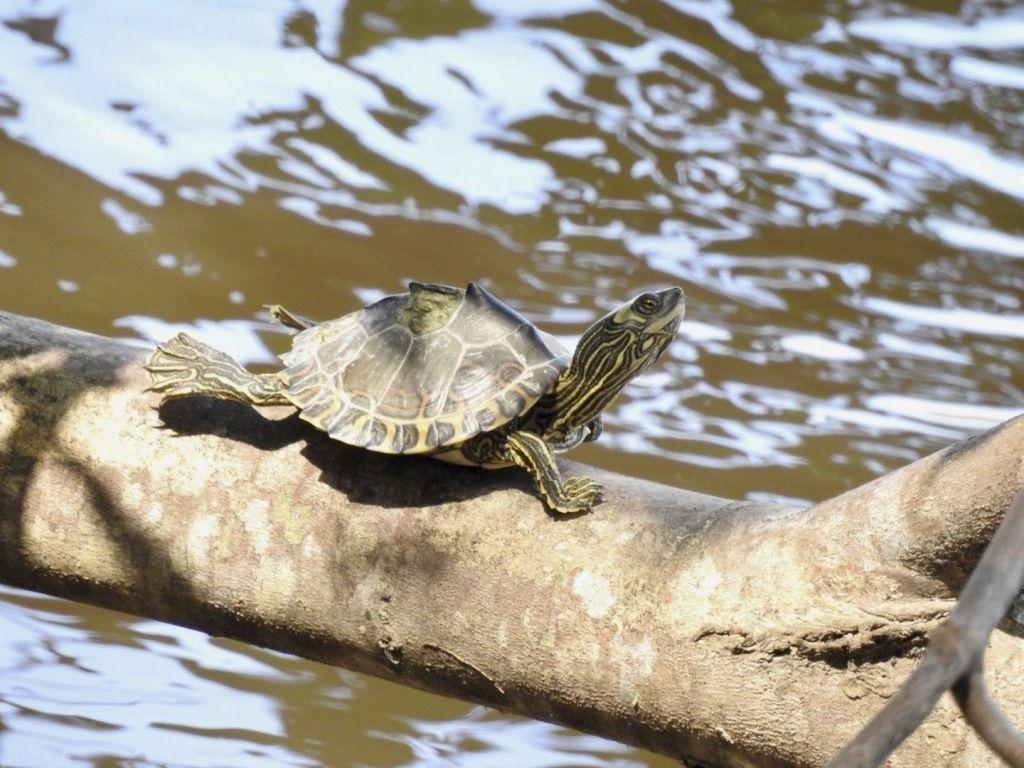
[838, 189]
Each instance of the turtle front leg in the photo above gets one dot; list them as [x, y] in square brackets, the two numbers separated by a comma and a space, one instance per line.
[572, 496]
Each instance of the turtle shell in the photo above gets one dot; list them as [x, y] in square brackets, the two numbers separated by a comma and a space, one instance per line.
[420, 371]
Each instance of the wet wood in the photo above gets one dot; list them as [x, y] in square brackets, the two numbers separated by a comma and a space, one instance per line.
[727, 633]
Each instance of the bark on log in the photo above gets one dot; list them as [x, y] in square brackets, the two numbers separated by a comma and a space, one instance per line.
[726, 633]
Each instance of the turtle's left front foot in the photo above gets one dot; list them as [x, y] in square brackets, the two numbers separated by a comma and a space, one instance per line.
[575, 495]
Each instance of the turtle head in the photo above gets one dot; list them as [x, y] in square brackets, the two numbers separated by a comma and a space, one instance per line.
[644, 326]
[619, 346]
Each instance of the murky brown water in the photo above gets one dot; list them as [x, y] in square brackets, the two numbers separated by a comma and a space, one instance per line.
[840, 190]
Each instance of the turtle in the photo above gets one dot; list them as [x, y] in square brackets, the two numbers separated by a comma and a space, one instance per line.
[452, 373]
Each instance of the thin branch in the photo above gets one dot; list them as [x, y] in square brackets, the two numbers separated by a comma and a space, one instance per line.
[955, 648]
[983, 713]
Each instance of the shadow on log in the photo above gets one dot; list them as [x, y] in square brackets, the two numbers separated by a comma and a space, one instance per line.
[723, 633]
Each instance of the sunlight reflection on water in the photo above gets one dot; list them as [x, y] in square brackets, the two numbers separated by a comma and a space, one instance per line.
[839, 190]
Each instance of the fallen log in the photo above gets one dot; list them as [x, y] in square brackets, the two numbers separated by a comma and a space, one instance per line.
[723, 633]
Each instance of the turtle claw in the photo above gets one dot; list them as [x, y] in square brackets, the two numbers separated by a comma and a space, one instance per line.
[172, 389]
[578, 494]
[170, 349]
[172, 393]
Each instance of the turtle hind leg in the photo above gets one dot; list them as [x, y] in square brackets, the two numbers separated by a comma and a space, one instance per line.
[185, 366]
[569, 497]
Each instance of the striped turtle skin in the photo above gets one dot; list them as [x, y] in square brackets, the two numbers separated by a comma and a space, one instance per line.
[421, 371]
[455, 374]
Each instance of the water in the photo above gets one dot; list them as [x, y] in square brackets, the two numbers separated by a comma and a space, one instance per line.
[838, 187]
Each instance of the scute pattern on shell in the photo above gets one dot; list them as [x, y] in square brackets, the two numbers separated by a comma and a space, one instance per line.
[370, 380]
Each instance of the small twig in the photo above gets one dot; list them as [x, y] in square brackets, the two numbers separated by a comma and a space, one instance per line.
[954, 650]
[982, 712]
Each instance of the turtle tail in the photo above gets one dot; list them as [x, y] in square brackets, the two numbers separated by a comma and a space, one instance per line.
[288, 319]
[186, 366]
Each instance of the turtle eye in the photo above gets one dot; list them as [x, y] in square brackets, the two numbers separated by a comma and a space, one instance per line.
[646, 304]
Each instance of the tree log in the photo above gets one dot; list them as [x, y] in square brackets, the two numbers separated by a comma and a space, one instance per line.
[721, 632]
